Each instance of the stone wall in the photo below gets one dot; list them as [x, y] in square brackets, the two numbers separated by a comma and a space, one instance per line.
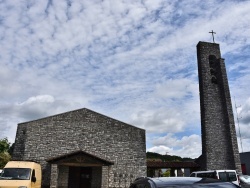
[219, 141]
[97, 177]
[88, 131]
[63, 176]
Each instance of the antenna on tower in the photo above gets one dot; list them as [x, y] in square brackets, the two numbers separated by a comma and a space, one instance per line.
[238, 124]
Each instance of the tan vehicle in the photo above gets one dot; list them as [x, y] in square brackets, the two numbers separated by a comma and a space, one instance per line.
[21, 174]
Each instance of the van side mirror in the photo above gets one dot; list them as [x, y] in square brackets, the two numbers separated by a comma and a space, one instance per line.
[33, 179]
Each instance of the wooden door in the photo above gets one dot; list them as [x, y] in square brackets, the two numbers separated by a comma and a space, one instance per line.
[79, 177]
[85, 177]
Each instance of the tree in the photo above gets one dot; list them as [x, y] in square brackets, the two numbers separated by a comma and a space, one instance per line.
[156, 156]
[4, 155]
[166, 173]
[4, 145]
[4, 158]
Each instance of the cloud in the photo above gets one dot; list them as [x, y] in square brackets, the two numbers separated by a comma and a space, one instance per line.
[180, 109]
[33, 108]
[187, 146]
[176, 89]
[9, 86]
[245, 112]
[36, 107]
[242, 124]
[160, 121]
[134, 61]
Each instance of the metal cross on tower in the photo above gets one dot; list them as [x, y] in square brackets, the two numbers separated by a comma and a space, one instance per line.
[213, 34]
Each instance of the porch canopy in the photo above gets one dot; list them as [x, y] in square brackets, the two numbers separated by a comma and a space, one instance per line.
[79, 158]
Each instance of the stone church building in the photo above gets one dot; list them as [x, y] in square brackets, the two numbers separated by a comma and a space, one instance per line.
[83, 148]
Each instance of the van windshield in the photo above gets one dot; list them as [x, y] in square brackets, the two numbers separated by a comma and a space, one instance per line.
[16, 173]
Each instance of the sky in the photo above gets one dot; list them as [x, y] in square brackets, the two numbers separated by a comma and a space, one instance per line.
[133, 60]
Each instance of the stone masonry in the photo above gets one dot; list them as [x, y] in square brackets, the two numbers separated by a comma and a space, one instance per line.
[120, 146]
[219, 141]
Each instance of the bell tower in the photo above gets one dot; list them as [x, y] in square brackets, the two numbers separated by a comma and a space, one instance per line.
[219, 141]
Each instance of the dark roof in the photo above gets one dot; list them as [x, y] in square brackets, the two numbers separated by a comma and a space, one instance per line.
[78, 153]
[168, 164]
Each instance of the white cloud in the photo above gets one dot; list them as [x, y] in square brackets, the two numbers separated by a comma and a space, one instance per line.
[245, 112]
[160, 149]
[134, 61]
[39, 99]
[165, 120]
[242, 126]
[33, 108]
[187, 146]
[176, 89]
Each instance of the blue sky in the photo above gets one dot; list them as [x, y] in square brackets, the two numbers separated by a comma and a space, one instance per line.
[132, 60]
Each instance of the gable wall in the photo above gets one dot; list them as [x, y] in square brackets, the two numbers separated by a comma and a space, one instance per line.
[83, 130]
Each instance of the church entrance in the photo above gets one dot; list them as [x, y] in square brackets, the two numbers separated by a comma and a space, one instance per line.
[80, 177]
[78, 170]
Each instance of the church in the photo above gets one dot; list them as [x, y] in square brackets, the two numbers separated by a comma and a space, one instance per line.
[83, 148]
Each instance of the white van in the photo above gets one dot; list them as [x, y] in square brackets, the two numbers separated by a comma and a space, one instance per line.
[224, 175]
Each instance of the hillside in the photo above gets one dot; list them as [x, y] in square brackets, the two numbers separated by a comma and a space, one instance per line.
[158, 157]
